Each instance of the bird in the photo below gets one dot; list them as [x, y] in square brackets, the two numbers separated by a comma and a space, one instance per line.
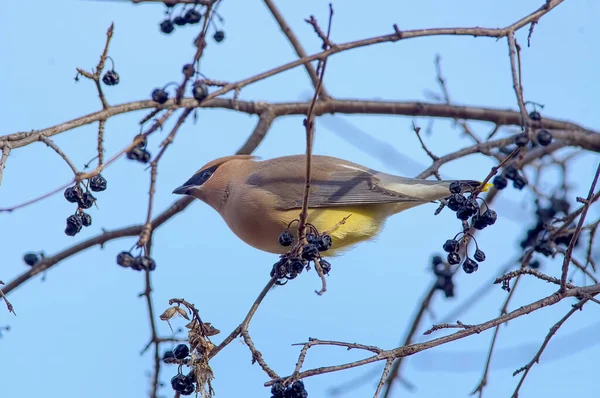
[260, 199]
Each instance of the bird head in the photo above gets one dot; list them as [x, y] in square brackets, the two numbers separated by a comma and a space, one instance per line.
[210, 183]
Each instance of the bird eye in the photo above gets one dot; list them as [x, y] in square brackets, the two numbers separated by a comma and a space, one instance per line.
[206, 175]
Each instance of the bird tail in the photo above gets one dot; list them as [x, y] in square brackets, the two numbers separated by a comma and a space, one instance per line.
[425, 190]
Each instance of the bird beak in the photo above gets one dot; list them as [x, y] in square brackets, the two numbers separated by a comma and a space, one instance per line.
[183, 190]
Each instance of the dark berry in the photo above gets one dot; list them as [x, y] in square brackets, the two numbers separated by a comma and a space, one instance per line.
[456, 201]
[168, 357]
[324, 242]
[447, 285]
[296, 265]
[73, 194]
[71, 231]
[86, 219]
[199, 90]
[136, 264]
[535, 115]
[463, 213]
[159, 95]
[311, 238]
[192, 376]
[192, 16]
[141, 155]
[470, 266]
[455, 187]
[479, 255]
[500, 182]
[87, 201]
[179, 20]
[167, 26]
[145, 158]
[135, 153]
[450, 246]
[75, 220]
[143, 263]
[110, 78]
[521, 140]
[97, 183]
[510, 172]
[73, 225]
[310, 251]
[453, 258]
[31, 259]
[179, 382]
[535, 264]
[286, 238]
[219, 36]
[436, 260]
[479, 222]
[544, 248]
[181, 351]
[125, 259]
[325, 265]
[277, 390]
[490, 217]
[544, 137]
[519, 182]
[188, 70]
[188, 389]
[471, 205]
[297, 388]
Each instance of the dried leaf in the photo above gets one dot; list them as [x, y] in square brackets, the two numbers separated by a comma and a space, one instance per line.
[168, 314]
[182, 312]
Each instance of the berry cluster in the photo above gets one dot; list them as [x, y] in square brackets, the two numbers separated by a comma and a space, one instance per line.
[190, 17]
[138, 263]
[183, 384]
[199, 88]
[539, 237]
[510, 172]
[443, 272]
[465, 208]
[296, 390]
[470, 265]
[290, 265]
[543, 137]
[139, 152]
[84, 200]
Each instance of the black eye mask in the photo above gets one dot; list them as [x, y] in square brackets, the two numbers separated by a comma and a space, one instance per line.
[201, 177]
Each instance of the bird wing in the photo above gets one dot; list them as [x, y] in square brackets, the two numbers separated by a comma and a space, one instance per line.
[334, 182]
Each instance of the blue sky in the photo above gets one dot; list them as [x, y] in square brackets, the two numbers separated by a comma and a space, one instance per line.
[81, 330]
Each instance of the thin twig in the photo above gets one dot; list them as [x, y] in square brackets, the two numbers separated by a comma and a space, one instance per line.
[412, 349]
[9, 306]
[457, 325]
[512, 50]
[53, 145]
[483, 382]
[384, 375]
[586, 206]
[6, 148]
[100, 146]
[287, 31]
[536, 358]
[309, 127]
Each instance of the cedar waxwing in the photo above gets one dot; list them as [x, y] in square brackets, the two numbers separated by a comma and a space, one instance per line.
[259, 199]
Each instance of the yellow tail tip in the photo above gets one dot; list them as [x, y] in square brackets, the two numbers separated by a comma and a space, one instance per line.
[486, 187]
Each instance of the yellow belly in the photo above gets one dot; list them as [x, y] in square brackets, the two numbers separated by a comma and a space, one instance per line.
[360, 224]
